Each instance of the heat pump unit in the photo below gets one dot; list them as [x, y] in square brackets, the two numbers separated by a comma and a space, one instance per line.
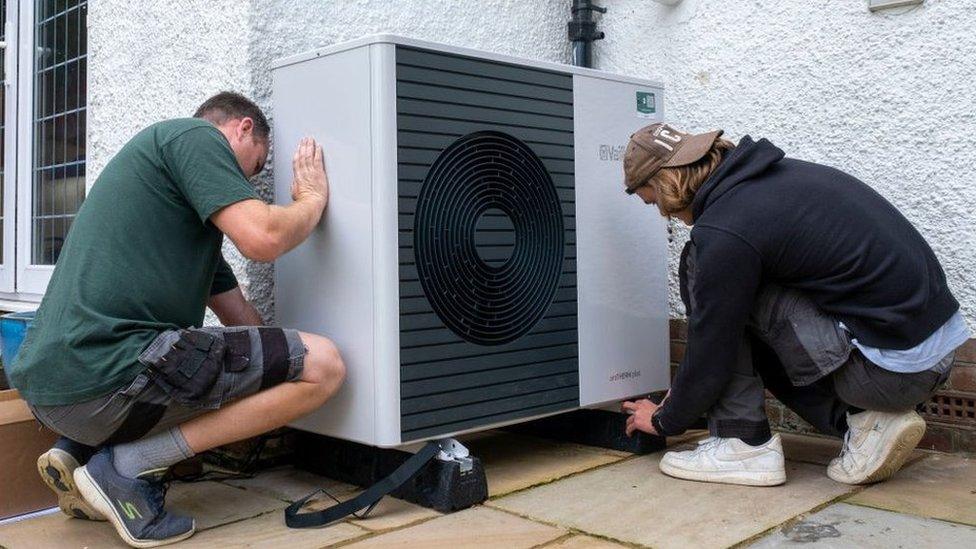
[479, 263]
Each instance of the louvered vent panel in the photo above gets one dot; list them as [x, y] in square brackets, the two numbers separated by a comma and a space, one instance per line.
[487, 242]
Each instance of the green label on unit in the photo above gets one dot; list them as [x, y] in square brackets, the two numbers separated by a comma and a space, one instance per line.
[646, 104]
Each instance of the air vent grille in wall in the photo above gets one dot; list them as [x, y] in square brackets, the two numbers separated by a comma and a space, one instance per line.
[951, 407]
[488, 327]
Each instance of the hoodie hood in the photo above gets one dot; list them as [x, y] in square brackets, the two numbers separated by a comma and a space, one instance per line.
[747, 160]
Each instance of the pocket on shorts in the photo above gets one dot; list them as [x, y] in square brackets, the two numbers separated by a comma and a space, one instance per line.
[121, 397]
[188, 366]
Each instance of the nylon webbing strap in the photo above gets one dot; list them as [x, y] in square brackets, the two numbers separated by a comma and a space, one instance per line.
[368, 498]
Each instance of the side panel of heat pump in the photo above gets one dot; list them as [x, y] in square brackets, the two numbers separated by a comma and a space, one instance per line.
[324, 286]
[622, 247]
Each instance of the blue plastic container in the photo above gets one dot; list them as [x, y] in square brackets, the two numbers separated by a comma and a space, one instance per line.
[13, 328]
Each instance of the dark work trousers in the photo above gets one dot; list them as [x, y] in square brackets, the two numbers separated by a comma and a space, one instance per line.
[809, 363]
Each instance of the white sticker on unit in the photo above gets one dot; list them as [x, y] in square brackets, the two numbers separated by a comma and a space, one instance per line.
[646, 104]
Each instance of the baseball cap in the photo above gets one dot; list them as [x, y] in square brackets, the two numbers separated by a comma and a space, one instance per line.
[661, 146]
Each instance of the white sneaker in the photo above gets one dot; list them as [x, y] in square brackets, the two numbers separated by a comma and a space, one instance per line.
[729, 461]
[876, 445]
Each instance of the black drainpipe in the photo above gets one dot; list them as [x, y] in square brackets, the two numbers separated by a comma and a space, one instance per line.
[582, 31]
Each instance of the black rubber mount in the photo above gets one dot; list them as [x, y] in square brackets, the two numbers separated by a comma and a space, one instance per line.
[601, 428]
[489, 190]
[440, 485]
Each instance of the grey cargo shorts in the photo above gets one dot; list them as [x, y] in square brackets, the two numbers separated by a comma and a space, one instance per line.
[237, 362]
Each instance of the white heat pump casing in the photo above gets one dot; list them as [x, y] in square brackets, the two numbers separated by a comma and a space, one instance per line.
[343, 281]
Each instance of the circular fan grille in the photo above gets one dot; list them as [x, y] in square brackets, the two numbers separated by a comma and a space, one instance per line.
[488, 238]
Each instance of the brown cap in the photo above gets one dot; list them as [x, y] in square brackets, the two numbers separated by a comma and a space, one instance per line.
[661, 146]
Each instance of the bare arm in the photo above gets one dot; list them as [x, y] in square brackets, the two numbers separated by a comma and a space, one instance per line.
[264, 232]
[233, 309]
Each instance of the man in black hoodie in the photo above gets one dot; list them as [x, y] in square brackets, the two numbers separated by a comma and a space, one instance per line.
[801, 279]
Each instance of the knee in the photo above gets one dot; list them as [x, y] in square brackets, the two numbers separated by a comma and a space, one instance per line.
[324, 367]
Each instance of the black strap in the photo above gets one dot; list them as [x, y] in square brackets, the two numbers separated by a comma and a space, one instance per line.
[367, 499]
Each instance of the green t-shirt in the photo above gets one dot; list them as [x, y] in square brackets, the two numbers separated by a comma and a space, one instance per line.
[141, 257]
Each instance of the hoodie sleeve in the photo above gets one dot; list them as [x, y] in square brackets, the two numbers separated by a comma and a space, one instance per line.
[727, 275]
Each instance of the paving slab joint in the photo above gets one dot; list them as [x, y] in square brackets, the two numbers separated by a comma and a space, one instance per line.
[800, 516]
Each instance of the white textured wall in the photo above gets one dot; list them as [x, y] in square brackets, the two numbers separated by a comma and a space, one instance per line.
[158, 59]
[889, 97]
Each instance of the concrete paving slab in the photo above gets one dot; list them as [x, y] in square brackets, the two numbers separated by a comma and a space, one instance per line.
[58, 530]
[513, 461]
[844, 525]
[808, 449]
[213, 504]
[479, 527]
[269, 530]
[210, 503]
[290, 484]
[938, 486]
[584, 542]
[687, 437]
[634, 502]
[393, 513]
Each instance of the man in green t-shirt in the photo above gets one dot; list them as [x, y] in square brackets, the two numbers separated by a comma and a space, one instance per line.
[117, 361]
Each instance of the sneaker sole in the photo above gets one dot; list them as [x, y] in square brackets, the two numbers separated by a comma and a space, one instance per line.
[898, 450]
[94, 495]
[739, 478]
[56, 468]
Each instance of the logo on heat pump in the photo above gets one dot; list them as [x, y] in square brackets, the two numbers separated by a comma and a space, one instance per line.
[612, 153]
[621, 376]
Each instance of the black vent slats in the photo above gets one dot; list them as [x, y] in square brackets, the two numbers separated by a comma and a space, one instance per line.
[487, 242]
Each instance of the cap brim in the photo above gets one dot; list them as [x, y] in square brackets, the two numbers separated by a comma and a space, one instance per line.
[693, 149]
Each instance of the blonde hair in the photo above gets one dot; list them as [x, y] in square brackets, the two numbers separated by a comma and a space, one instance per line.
[676, 187]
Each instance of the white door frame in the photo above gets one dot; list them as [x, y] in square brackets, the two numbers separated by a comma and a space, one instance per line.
[9, 182]
[31, 278]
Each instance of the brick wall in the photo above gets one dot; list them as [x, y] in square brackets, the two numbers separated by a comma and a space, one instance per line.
[951, 415]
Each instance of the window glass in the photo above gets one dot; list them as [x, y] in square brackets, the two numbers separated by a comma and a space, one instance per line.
[60, 101]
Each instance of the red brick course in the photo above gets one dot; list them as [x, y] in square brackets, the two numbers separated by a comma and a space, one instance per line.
[967, 353]
[963, 377]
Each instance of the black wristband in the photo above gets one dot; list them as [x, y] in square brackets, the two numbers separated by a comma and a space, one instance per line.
[656, 423]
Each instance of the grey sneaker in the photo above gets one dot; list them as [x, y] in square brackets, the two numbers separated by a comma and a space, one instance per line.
[57, 468]
[133, 506]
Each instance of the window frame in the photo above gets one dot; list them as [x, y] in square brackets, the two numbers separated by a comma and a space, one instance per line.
[22, 282]
[31, 278]
[7, 269]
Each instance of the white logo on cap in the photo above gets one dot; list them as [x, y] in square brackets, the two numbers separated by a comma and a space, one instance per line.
[663, 132]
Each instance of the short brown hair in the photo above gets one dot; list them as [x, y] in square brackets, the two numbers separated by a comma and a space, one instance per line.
[228, 105]
[676, 187]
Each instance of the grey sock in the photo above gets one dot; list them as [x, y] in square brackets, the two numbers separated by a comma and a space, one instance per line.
[151, 453]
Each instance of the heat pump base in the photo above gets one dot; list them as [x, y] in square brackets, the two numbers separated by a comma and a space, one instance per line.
[444, 486]
[601, 428]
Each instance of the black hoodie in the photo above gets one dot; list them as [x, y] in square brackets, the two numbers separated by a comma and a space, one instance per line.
[762, 218]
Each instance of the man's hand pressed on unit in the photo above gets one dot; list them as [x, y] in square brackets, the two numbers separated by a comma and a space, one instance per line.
[310, 180]
[264, 232]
